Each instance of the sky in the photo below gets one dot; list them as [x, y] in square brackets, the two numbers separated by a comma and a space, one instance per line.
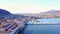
[29, 6]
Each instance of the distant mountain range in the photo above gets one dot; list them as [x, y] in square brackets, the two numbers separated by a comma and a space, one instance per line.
[51, 12]
[48, 14]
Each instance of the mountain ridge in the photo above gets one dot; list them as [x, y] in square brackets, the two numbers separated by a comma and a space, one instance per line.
[51, 12]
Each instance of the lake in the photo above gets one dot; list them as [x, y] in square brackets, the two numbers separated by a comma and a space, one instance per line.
[46, 21]
[49, 21]
[44, 29]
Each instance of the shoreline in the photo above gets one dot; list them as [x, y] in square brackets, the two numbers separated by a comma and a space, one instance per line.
[43, 24]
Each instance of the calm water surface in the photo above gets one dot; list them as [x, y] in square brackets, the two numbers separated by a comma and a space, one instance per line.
[42, 29]
[49, 20]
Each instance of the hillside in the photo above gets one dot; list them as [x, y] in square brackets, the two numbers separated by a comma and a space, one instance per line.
[47, 14]
[4, 14]
[51, 12]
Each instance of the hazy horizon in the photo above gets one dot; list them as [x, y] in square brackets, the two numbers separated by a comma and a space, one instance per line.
[29, 6]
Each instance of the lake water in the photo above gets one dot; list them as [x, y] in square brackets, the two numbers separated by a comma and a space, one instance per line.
[49, 21]
[46, 21]
[44, 29]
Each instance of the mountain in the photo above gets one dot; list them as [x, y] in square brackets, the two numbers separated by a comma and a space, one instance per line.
[4, 13]
[51, 12]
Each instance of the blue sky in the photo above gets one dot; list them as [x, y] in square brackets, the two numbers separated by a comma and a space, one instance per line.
[29, 6]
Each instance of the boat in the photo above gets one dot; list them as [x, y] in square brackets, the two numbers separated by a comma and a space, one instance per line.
[11, 25]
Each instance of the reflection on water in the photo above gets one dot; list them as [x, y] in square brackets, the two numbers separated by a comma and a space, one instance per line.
[45, 21]
[42, 29]
[49, 21]
[28, 31]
